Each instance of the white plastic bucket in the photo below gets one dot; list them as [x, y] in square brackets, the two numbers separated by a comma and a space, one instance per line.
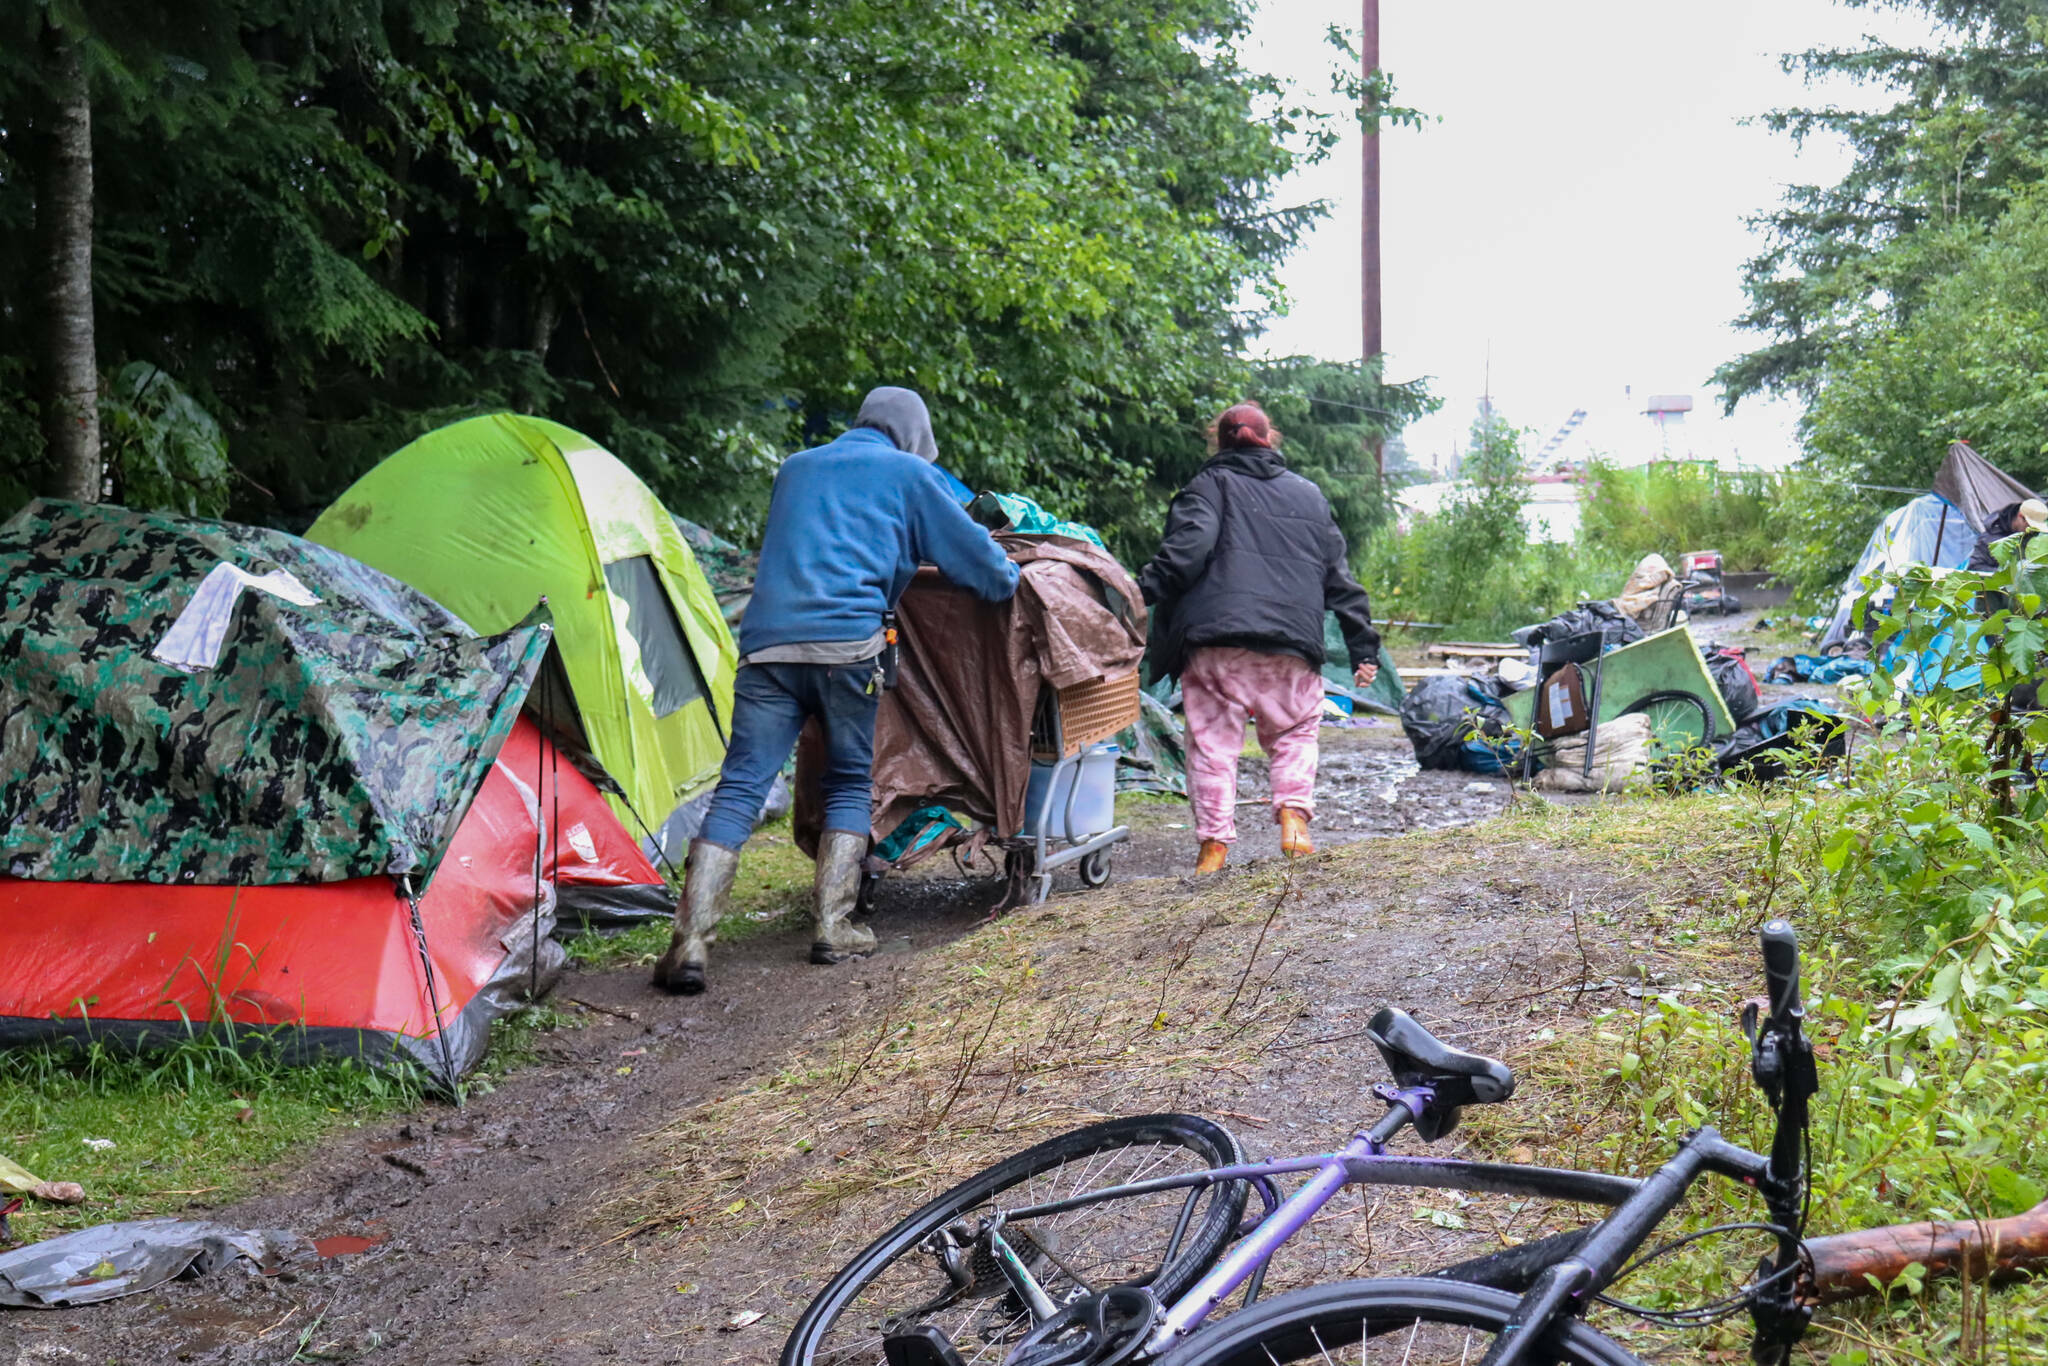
[1091, 786]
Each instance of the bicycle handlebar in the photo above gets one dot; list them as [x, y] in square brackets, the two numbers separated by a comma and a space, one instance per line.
[1781, 972]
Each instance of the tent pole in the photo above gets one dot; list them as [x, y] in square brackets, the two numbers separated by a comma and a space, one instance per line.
[540, 838]
[1940, 531]
[419, 936]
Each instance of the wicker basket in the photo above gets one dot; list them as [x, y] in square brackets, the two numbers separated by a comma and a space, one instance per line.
[1087, 713]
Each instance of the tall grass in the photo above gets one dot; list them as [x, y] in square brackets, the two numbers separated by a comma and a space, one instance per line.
[197, 1122]
[1471, 567]
[1524, 583]
[1673, 507]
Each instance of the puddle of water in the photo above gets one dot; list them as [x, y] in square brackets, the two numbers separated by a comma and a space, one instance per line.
[344, 1245]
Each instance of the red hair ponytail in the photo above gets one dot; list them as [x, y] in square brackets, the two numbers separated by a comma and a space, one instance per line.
[1243, 425]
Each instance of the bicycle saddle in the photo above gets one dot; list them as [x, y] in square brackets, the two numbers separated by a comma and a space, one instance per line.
[1417, 1057]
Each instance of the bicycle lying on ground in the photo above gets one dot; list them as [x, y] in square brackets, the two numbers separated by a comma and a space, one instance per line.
[1037, 1262]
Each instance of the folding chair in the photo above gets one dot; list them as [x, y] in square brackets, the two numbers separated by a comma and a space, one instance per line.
[1547, 657]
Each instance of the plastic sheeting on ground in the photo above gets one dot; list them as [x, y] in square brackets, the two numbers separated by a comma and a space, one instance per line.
[1383, 694]
[112, 1260]
[1816, 669]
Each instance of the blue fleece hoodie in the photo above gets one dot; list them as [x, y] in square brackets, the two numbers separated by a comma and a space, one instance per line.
[848, 524]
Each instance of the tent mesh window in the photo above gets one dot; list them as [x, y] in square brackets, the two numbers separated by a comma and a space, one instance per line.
[651, 619]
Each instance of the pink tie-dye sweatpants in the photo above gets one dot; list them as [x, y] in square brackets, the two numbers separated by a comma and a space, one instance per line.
[1284, 694]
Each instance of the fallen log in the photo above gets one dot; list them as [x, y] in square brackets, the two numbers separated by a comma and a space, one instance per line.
[1844, 1263]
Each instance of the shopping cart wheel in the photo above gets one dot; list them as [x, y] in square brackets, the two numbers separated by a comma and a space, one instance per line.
[1095, 869]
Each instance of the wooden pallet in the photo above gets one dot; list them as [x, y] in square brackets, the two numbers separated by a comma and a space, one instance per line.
[1506, 649]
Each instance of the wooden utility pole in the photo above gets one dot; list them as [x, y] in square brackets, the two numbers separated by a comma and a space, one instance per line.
[1369, 48]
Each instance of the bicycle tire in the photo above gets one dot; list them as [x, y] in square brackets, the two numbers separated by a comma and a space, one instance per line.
[1210, 1143]
[1643, 704]
[1321, 1322]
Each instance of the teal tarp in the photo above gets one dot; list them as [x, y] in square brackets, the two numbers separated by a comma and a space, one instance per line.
[1385, 694]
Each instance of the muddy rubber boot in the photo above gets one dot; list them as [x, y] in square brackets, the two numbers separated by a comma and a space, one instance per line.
[1214, 852]
[1294, 840]
[708, 875]
[836, 889]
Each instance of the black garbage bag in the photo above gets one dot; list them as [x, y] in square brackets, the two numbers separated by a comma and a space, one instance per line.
[1621, 628]
[1761, 747]
[1737, 684]
[1451, 718]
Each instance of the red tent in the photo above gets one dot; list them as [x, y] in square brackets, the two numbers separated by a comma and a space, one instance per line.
[604, 875]
[339, 964]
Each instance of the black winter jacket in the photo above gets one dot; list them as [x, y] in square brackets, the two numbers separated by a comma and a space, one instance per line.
[1252, 557]
[1982, 561]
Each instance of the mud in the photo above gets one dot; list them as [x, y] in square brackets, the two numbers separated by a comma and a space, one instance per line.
[486, 1235]
[1367, 786]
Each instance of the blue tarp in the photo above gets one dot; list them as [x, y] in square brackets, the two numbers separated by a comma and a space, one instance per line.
[1928, 530]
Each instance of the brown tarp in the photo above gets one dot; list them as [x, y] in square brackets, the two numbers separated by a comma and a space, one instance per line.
[1976, 486]
[956, 729]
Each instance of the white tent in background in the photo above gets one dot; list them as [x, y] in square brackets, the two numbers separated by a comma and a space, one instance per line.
[1938, 528]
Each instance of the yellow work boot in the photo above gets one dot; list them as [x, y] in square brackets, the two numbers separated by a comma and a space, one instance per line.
[1213, 854]
[1294, 840]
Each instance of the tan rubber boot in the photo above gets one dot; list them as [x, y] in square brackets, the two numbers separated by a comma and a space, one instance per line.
[1294, 840]
[836, 890]
[708, 875]
[1214, 852]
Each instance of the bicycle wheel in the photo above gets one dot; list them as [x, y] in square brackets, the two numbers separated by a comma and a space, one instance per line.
[1415, 1321]
[899, 1281]
[1678, 721]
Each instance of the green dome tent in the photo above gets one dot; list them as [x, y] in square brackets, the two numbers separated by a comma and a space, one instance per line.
[491, 514]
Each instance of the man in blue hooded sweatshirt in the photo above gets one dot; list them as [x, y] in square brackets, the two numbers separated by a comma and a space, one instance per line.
[848, 525]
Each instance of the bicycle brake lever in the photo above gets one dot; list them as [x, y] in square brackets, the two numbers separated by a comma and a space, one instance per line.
[1752, 1013]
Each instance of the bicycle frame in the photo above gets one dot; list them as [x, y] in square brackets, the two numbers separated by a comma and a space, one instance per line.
[1639, 1206]
[1578, 1269]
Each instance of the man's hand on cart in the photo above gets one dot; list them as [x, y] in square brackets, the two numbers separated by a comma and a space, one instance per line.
[1365, 674]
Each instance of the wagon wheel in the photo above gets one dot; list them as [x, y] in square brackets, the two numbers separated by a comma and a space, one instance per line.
[1095, 869]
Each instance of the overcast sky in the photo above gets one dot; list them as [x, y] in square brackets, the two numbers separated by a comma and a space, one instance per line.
[1578, 211]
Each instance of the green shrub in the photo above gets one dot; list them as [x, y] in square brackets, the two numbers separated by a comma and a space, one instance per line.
[1670, 508]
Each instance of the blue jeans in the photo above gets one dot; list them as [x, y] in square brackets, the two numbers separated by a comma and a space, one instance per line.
[770, 705]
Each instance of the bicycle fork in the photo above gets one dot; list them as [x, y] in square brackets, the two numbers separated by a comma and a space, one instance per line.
[1563, 1290]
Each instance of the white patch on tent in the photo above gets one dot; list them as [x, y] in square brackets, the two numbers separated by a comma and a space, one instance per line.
[579, 839]
[194, 640]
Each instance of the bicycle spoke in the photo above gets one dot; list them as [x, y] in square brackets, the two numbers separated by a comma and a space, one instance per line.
[1072, 1254]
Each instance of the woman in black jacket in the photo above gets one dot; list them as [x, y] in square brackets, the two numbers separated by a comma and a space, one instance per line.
[1251, 559]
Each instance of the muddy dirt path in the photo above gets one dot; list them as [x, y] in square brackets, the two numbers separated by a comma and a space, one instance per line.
[491, 1221]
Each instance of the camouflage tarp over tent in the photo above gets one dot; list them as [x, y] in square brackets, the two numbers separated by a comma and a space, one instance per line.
[312, 756]
[291, 743]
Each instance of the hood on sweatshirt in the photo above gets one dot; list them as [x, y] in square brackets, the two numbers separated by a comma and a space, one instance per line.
[900, 415]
